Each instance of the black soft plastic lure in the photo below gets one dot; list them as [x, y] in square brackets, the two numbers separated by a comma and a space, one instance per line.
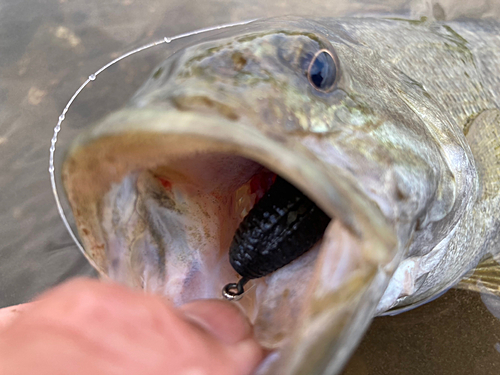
[282, 226]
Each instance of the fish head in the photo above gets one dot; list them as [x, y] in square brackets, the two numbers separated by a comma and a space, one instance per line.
[373, 121]
[159, 187]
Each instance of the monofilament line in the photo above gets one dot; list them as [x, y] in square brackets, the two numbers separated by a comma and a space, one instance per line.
[92, 77]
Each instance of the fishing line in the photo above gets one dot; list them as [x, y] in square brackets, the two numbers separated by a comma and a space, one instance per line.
[92, 77]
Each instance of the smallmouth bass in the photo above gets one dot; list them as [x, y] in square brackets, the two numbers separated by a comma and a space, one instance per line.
[402, 152]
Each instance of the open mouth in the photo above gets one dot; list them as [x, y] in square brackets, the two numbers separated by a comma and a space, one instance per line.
[189, 213]
[158, 196]
[169, 230]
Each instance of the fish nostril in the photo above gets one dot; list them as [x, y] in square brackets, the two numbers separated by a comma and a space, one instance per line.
[400, 195]
[158, 73]
[239, 60]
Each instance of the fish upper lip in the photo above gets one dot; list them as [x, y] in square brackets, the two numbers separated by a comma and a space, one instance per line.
[343, 198]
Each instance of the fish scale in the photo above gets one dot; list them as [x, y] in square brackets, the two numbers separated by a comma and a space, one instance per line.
[442, 57]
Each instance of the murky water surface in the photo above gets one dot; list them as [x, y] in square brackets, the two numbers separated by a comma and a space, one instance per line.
[49, 47]
[453, 335]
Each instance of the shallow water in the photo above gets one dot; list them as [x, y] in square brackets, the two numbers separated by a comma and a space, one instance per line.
[49, 47]
[453, 335]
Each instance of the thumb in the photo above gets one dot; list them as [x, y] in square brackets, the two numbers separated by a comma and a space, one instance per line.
[222, 319]
[226, 322]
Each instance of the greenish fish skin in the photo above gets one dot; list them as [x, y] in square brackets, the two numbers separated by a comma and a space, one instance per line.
[398, 152]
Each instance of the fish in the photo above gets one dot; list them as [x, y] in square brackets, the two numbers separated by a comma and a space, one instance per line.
[393, 133]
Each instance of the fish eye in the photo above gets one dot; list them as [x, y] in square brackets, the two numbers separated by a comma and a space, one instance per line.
[322, 71]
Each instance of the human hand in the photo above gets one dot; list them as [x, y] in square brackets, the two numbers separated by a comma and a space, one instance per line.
[88, 327]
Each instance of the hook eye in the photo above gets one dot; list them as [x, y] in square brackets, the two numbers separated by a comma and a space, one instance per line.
[234, 291]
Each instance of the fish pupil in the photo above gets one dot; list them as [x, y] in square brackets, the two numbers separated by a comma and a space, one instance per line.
[317, 78]
[322, 71]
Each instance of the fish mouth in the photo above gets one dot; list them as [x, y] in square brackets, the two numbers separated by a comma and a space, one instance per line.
[157, 196]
